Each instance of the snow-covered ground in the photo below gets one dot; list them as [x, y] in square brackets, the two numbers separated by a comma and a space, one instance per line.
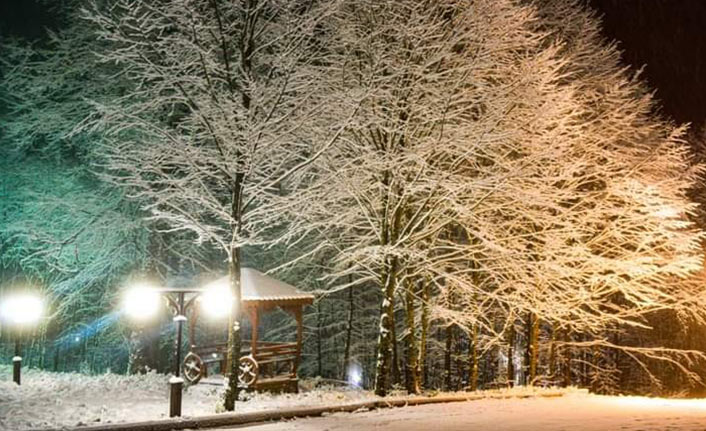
[572, 412]
[48, 399]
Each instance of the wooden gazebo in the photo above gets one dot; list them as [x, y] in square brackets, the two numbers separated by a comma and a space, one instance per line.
[263, 365]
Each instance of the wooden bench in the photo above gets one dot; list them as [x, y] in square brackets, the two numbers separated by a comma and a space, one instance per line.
[276, 363]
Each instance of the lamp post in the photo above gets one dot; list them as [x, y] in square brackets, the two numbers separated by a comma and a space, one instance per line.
[179, 308]
[17, 361]
[142, 302]
[19, 311]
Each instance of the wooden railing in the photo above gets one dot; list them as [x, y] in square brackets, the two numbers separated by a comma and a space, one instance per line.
[273, 358]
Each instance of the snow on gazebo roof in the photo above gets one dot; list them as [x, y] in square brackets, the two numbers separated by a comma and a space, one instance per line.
[257, 286]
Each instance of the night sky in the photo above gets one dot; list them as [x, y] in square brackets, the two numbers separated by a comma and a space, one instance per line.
[668, 37]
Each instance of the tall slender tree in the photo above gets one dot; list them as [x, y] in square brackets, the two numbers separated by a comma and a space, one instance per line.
[215, 128]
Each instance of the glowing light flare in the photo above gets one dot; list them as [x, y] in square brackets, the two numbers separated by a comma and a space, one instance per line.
[141, 302]
[22, 309]
[217, 301]
[354, 375]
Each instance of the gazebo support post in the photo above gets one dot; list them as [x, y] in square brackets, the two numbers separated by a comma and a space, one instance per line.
[254, 313]
[297, 312]
[192, 327]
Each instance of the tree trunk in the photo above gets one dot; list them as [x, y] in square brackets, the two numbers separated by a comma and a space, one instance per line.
[42, 358]
[552, 356]
[349, 335]
[473, 358]
[448, 334]
[319, 324]
[459, 362]
[527, 352]
[396, 374]
[585, 360]
[531, 355]
[567, 362]
[247, 48]
[385, 342]
[511, 354]
[56, 358]
[422, 363]
[594, 372]
[234, 336]
[412, 370]
[533, 348]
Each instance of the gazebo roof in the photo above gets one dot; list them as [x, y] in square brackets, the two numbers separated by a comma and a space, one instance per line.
[261, 288]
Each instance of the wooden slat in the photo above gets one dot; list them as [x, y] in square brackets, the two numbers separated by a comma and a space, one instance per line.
[272, 357]
[275, 360]
[261, 346]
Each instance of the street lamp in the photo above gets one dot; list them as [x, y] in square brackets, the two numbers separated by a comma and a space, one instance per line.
[217, 301]
[20, 310]
[142, 302]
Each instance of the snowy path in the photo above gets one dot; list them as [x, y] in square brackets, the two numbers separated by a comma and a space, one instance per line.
[575, 412]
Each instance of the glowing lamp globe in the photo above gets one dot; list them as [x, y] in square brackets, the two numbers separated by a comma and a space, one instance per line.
[21, 309]
[217, 301]
[141, 302]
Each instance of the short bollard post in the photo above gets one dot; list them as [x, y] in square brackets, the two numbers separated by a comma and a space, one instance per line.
[175, 390]
[16, 367]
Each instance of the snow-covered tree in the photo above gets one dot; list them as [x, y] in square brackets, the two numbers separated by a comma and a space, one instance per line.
[633, 244]
[600, 223]
[216, 126]
[60, 227]
[493, 159]
[76, 233]
[460, 103]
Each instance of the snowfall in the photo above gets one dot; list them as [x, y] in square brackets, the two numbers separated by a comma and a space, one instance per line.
[54, 400]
